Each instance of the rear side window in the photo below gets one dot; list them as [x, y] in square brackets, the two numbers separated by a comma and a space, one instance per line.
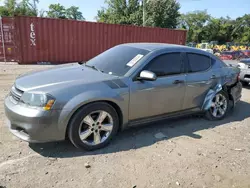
[198, 63]
[167, 64]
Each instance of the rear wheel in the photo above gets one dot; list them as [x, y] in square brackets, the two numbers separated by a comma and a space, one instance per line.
[219, 107]
[93, 126]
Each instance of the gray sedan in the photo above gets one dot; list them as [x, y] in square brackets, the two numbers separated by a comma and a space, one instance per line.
[127, 85]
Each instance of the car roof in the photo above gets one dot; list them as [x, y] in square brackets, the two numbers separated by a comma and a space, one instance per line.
[160, 46]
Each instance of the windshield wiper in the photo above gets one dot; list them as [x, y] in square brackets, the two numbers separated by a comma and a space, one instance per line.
[93, 67]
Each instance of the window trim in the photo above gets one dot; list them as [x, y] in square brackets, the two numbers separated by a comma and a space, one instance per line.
[189, 67]
[182, 64]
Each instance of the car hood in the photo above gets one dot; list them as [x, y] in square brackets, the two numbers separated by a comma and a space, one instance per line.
[67, 74]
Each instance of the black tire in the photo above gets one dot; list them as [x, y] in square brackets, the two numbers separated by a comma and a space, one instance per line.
[208, 113]
[74, 125]
[244, 83]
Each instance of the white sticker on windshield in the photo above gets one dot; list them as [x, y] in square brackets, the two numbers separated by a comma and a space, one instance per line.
[134, 60]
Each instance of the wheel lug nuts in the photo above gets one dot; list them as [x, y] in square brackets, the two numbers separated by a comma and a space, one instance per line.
[96, 131]
[92, 129]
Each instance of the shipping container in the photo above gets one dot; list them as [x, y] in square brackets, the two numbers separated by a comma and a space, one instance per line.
[61, 41]
[8, 48]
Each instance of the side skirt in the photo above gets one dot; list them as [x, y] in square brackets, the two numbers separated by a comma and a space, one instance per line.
[151, 119]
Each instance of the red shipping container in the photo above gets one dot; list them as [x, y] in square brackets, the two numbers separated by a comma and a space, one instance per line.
[8, 47]
[61, 41]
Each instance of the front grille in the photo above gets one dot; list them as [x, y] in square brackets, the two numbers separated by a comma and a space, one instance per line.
[16, 93]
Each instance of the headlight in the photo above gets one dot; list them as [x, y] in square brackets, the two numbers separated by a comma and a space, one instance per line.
[37, 100]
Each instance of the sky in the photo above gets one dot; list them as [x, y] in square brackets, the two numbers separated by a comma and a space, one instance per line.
[217, 8]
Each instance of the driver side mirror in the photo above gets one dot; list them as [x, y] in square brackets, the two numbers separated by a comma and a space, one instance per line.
[147, 75]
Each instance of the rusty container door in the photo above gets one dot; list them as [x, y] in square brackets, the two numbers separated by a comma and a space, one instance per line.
[62, 41]
[8, 48]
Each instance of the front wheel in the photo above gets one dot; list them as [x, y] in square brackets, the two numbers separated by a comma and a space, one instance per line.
[219, 107]
[93, 126]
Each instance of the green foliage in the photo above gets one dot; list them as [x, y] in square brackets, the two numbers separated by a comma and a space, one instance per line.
[73, 13]
[162, 13]
[56, 11]
[19, 8]
[202, 26]
[194, 23]
[59, 11]
[29, 8]
[158, 13]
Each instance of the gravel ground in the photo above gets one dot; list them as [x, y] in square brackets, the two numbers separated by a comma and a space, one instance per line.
[186, 152]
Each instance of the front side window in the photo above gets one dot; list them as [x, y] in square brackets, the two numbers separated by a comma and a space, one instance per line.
[167, 64]
[198, 62]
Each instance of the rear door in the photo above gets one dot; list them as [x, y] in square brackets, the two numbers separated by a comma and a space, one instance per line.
[200, 78]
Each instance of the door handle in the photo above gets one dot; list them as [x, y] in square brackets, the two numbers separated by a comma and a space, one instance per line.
[178, 82]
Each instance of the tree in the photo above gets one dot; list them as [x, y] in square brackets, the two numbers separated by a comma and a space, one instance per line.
[162, 13]
[23, 8]
[59, 11]
[202, 26]
[9, 7]
[241, 32]
[194, 22]
[159, 13]
[116, 13]
[56, 11]
[4, 11]
[74, 13]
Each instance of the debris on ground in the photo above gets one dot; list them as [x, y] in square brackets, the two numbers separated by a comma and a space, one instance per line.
[170, 151]
[177, 183]
[239, 149]
[217, 178]
[87, 165]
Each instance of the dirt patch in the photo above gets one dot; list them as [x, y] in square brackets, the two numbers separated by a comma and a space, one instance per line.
[184, 152]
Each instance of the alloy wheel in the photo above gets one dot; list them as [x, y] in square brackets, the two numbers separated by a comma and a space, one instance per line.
[218, 106]
[96, 127]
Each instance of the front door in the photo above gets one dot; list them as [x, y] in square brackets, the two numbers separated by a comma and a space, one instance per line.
[164, 95]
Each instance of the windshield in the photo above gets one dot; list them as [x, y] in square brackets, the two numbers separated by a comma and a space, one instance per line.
[118, 60]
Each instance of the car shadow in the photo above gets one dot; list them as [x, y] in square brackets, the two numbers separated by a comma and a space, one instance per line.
[144, 136]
